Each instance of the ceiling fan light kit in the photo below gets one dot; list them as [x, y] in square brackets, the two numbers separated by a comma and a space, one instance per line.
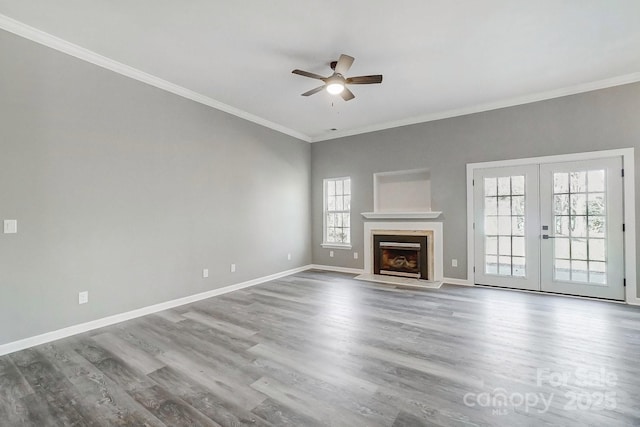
[336, 83]
[335, 87]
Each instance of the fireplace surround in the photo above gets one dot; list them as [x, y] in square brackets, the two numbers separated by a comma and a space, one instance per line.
[431, 229]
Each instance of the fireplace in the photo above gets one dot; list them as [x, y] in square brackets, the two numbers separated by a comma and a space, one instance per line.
[399, 247]
[404, 256]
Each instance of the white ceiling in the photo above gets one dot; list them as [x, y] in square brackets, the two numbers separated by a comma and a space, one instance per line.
[439, 58]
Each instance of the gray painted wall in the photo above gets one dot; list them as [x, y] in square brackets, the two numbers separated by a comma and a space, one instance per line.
[128, 192]
[599, 120]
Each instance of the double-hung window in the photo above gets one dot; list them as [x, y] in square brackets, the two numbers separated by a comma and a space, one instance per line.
[337, 212]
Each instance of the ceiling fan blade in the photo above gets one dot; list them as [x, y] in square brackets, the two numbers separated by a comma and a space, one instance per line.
[365, 80]
[344, 63]
[347, 95]
[312, 91]
[308, 74]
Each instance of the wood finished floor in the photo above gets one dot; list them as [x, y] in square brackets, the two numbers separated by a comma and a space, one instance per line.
[318, 348]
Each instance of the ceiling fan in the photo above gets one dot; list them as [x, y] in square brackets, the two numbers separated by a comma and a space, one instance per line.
[336, 83]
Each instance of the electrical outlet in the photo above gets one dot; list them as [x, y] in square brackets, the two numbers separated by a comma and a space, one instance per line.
[289, 257]
[205, 273]
[454, 263]
[355, 255]
[83, 297]
[10, 226]
[331, 254]
[233, 268]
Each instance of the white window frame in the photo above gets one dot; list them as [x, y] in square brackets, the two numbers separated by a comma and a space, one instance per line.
[325, 243]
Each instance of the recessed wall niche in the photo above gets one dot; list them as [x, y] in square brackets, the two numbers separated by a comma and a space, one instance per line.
[402, 191]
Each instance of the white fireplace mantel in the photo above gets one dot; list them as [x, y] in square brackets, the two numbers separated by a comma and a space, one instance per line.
[435, 226]
[402, 215]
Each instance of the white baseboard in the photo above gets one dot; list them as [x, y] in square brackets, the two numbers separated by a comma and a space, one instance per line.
[454, 281]
[336, 269]
[117, 318]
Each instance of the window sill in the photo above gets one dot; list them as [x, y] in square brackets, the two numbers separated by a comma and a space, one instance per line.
[336, 246]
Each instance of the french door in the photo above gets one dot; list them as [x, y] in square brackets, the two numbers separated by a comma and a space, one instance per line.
[555, 227]
[506, 227]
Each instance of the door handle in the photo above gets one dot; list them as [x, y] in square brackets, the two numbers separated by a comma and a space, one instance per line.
[546, 236]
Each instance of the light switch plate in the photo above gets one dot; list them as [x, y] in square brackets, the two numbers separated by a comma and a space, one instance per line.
[10, 226]
[205, 273]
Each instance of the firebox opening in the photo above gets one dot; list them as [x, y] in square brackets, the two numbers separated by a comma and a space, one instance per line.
[404, 256]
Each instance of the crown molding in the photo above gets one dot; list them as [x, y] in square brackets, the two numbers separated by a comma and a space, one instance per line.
[23, 30]
[511, 102]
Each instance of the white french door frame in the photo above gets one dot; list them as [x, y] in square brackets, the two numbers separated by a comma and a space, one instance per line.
[627, 154]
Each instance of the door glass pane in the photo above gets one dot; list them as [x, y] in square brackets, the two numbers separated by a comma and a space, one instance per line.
[504, 186]
[596, 226]
[491, 264]
[561, 204]
[504, 245]
[578, 225]
[579, 207]
[597, 272]
[504, 205]
[518, 266]
[490, 206]
[596, 180]
[579, 249]
[517, 205]
[596, 249]
[562, 248]
[504, 225]
[517, 185]
[504, 267]
[578, 204]
[517, 244]
[491, 245]
[518, 225]
[504, 221]
[562, 269]
[579, 272]
[561, 183]
[491, 225]
[577, 182]
[562, 226]
[490, 186]
[595, 204]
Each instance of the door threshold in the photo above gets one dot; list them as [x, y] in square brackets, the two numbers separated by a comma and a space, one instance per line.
[551, 294]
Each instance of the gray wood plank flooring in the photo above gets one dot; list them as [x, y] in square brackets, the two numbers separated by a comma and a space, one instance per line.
[323, 349]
